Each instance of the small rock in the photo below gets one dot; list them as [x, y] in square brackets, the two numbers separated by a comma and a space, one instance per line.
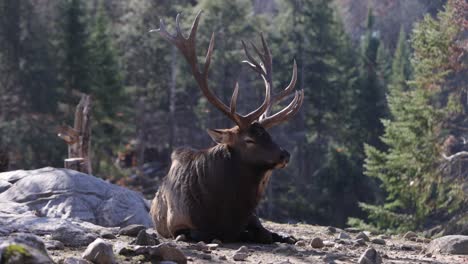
[131, 230]
[362, 235]
[331, 229]
[343, 235]
[352, 230]
[378, 241]
[144, 239]
[300, 243]
[370, 256]
[360, 242]
[200, 246]
[410, 234]
[54, 245]
[240, 256]
[107, 234]
[243, 249]
[75, 261]
[384, 237]
[206, 256]
[72, 236]
[222, 257]
[410, 247]
[317, 242]
[212, 246]
[161, 252]
[453, 244]
[181, 238]
[99, 252]
[125, 251]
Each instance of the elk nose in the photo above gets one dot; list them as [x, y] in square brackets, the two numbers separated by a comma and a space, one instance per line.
[284, 156]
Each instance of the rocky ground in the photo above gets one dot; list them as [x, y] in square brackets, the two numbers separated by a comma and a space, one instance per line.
[317, 244]
[62, 216]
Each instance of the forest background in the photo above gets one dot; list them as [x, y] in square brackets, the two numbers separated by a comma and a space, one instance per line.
[380, 141]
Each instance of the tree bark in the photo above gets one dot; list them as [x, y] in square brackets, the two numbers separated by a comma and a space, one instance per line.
[78, 138]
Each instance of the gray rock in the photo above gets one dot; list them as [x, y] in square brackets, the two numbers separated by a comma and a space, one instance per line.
[343, 235]
[378, 241]
[200, 246]
[18, 253]
[162, 252]
[352, 230]
[300, 243]
[363, 236]
[206, 256]
[63, 193]
[370, 256]
[453, 244]
[99, 252]
[28, 239]
[54, 245]
[240, 256]
[131, 230]
[145, 239]
[331, 229]
[4, 185]
[410, 235]
[72, 236]
[360, 242]
[107, 234]
[243, 249]
[75, 261]
[317, 242]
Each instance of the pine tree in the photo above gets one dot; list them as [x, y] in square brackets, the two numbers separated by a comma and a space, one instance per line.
[370, 95]
[74, 50]
[107, 91]
[408, 170]
[310, 32]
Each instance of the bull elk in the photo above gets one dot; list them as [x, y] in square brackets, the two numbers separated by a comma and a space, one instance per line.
[213, 193]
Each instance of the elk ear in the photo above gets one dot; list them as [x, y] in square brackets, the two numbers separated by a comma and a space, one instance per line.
[220, 136]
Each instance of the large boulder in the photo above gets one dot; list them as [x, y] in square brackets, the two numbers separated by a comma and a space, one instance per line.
[67, 194]
[454, 244]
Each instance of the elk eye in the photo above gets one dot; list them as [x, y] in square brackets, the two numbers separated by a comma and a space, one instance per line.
[249, 141]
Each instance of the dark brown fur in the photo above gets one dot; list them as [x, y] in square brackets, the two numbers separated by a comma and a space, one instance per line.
[213, 193]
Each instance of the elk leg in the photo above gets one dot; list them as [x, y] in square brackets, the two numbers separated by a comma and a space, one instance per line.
[256, 233]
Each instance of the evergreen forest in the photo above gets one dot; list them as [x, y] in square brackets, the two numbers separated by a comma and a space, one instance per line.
[379, 143]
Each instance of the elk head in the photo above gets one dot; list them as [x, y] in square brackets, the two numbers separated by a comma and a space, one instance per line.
[249, 137]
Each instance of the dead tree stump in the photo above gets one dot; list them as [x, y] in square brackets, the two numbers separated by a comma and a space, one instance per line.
[78, 138]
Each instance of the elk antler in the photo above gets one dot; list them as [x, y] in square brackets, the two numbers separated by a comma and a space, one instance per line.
[264, 68]
[187, 48]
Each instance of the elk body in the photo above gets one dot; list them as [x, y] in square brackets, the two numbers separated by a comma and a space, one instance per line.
[213, 193]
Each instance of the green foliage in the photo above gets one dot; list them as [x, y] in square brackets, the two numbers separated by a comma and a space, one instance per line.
[73, 50]
[110, 105]
[408, 169]
[13, 251]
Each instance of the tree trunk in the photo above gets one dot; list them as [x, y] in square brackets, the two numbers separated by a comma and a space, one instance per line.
[78, 138]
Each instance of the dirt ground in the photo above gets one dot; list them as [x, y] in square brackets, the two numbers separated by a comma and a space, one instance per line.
[396, 250]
